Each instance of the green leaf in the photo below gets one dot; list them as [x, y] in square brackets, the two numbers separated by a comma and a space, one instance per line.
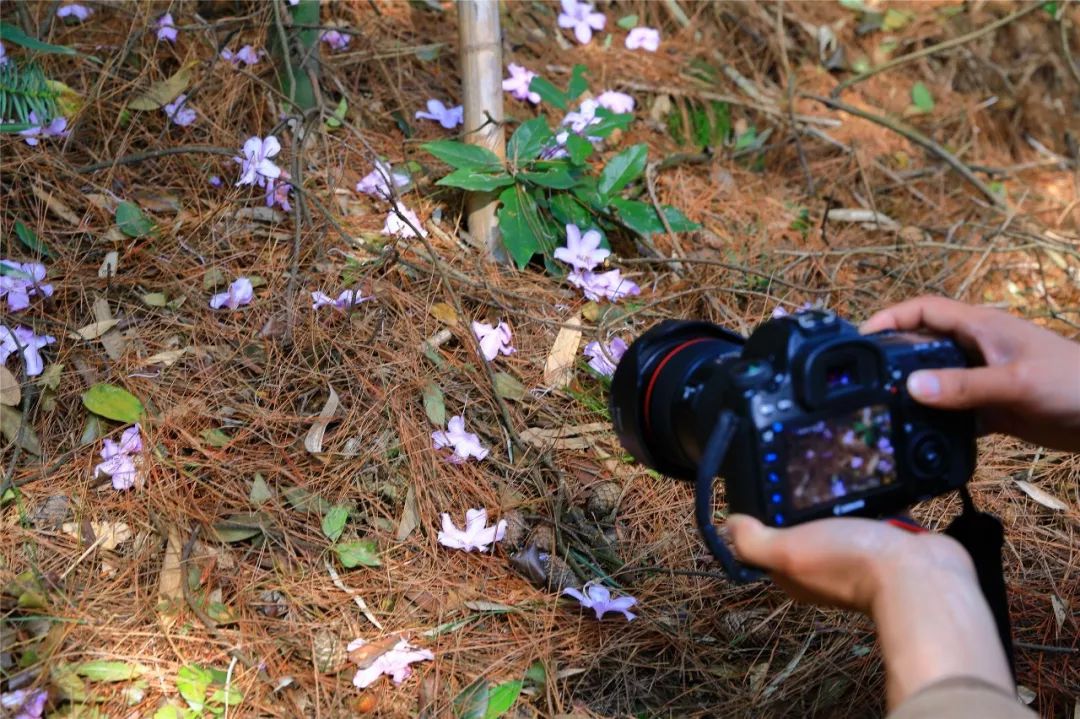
[568, 211]
[578, 83]
[518, 221]
[746, 139]
[353, 554]
[113, 402]
[434, 404]
[501, 698]
[609, 122]
[109, 671]
[260, 490]
[333, 522]
[537, 673]
[627, 22]
[192, 681]
[528, 140]
[164, 91]
[28, 238]
[169, 711]
[304, 501]
[215, 437]
[548, 92]
[587, 193]
[579, 148]
[896, 20]
[508, 387]
[622, 169]
[334, 121]
[921, 97]
[557, 177]
[469, 179]
[238, 527]
[472, 702]
[14, 34]
[460, 155]
[641, 217]
[131, 220]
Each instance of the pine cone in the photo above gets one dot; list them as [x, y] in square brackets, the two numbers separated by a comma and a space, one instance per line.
[559, 574]
[543, 538]
[516, 529]
[604, 500]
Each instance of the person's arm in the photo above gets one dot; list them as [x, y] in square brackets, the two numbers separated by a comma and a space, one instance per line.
[1029, 386]
[921, 591]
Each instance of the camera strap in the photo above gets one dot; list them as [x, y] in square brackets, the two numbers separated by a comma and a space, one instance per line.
[983, 537]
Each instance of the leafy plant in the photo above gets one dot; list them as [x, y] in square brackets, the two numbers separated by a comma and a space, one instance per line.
[700, 124]
[194, 682]
[921, 98]
[25, 89]
[547, 181]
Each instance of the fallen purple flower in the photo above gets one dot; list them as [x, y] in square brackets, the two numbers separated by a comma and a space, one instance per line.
[476, 535]
[448, 117]
[582, 18]
[596, 285]
[75, 11]
[518, 83]
[407, 226]
[643, 38]
[598, 599]
[21, 282]
[215, 181]
[26, 703]
[179, 113]
[394, 663]
[24, 340]
[345, 300]
[57, 127]
[247, 55]
[166, 28]
[493, 340]
[465, 444]
[582, 251]
[255, 166]
[377, 182]
[121, 459]
[618, 102]
[603, 359]
[240, 293]
[336, 40]
[277, 193]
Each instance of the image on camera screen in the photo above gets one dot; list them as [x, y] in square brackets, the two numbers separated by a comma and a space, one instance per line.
[840, 456]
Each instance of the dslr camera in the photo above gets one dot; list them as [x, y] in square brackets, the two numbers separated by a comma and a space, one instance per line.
[804, 419]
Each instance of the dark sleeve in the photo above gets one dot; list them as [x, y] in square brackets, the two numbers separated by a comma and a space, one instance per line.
[962, 698]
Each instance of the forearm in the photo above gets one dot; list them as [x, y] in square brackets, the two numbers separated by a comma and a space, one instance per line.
[933, 623]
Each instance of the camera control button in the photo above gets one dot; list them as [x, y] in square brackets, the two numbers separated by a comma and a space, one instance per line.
[784, 405]
[929, 455]
[771, 457]
[766, 410]
[767, 436]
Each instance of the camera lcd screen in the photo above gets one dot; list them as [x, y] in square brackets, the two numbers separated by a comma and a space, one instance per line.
[840, 456]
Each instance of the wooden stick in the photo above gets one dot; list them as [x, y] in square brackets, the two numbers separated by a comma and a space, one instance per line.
[481, 69]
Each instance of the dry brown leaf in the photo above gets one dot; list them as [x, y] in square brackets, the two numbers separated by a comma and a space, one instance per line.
[15, 430]
[1041, 496]
[112, 340]
[579, 437]
[559, 367]
[409, 519]
[166, 358]
[366, 655]
[109, 535]
[443, 313]
[10, 394]
[109, 265]
[170, 580]
[1060, 612]
[313, 440]
[55, 206]
[94, 330]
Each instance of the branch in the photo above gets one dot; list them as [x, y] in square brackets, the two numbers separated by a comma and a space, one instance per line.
[138, 157]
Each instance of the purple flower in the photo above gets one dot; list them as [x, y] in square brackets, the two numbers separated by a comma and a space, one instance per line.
[598, 599]
[885, 446]
[166, 29]
[856, 462]
[247, 55]
[25, 703]
[610, 285]
[74, 10]
[603, 359]
[448, 117]
[618, 102]
[345, 300]
[848, 439]
[57, 127]
[476, 535]
[465, 444]
[493, 340]
[394, 663]
[3, 54]
[215, 181]
[397, 226]
[239, 294]
[643, 38]
[277, 193]
[585, 116]
[518, 83]
[581, 17]
[582, 252]
[256, 167]
[377, 182]
[25, 282]
[24, 340]
[121, 459]
[178, 112]
[336, 40]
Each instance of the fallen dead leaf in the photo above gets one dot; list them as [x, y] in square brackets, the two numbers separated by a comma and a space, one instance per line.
[94, 330]
[366, 655]
[559, 367]
[10, 394]
[15, 430]
[108, 267]
[444, 313]
[170, 580]
[579, 437]
[314, 439]
[1060, 611]
[109, 535]
[1041, 496]
[166, 358]
[56, 206]
[409, 520]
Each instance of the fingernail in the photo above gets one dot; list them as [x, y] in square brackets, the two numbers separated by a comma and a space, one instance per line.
[924, 385]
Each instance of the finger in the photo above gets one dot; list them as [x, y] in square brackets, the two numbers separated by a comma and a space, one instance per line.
[939, 314]
[965, 388]
[755, 543]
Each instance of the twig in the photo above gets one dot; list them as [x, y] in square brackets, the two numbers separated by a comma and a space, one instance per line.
[945, 45]
[336, 579]
[138, 157]
[286, 50]
[919, 139]
[1066, 53]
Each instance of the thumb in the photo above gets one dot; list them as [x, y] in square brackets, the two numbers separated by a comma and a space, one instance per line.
[963, 388]
[755, 543]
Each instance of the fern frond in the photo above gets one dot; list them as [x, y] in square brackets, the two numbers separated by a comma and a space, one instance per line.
[25, 89]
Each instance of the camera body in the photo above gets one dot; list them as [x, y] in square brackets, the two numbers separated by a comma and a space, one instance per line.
[825, 426]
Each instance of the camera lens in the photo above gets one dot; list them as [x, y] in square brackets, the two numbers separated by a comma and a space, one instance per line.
[929, 456]
[656, 389]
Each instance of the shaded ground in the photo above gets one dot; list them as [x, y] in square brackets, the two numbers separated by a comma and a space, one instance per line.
[237, 396]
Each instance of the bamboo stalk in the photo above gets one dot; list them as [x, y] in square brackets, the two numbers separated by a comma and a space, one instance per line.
[481, 70]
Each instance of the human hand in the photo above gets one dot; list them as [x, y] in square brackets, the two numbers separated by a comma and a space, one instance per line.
[1030, 386]
[920, 589]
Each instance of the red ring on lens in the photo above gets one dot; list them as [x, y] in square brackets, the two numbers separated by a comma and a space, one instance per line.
[656, 373]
